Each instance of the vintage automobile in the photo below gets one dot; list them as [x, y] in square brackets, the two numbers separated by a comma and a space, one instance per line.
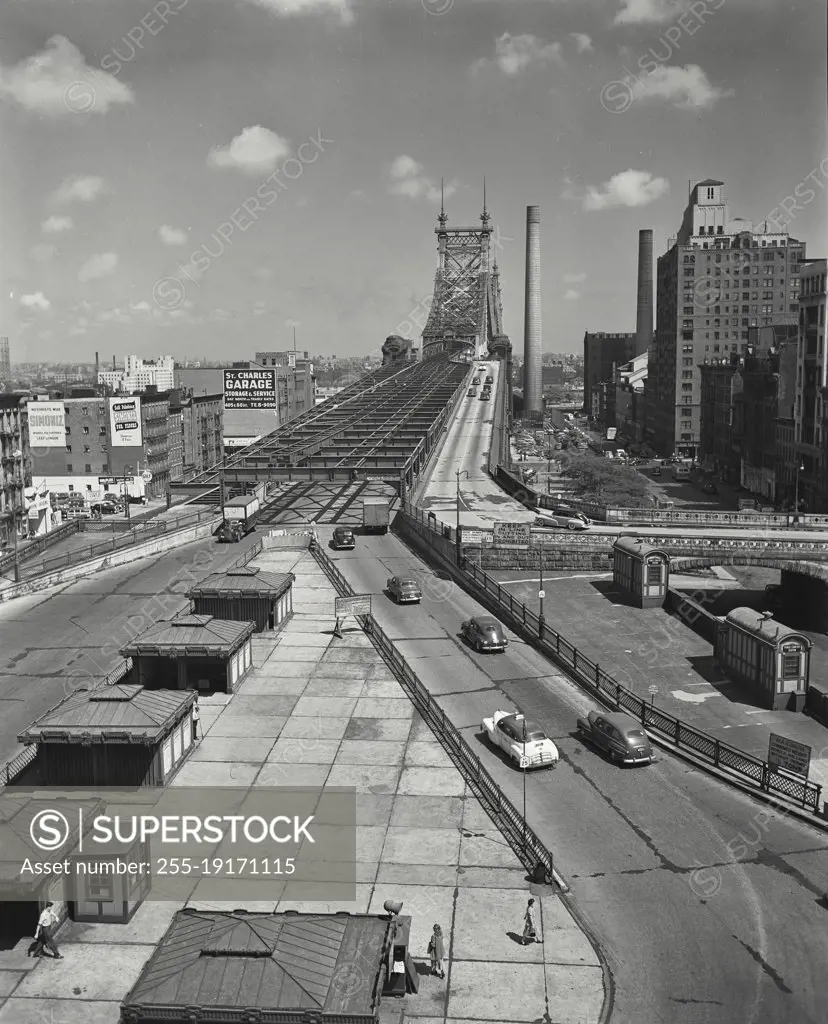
[475, 382]
[484, 634]
[708, 487]
[524, 742]
[620, 736]
[404, 590]
[471, 393]
[485, 396]
[562, 519]
[490, 380]
[343, 539]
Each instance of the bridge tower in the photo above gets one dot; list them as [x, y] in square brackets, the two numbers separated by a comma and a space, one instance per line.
[466, 313]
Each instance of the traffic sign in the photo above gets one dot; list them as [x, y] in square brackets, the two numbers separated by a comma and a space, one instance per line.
[146, 476]
[541, 594]
[653, 688]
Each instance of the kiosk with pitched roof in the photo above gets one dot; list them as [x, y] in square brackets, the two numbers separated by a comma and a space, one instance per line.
[199, 651]
[246, 595]
[641, 570]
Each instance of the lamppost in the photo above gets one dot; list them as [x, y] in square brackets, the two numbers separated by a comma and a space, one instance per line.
[128, 471]
[800, 468]
[548, 462]
[541, 591]
[458, 473]
[16, 454]
[523, 768]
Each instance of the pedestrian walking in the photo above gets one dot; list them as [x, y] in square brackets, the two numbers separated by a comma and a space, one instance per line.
[46, 924]
[196, 719]
[530, 925]
[437, 951]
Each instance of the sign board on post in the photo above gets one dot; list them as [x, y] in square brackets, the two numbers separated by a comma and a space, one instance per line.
[250, 389]
[471, 536]
[125, 422]
[146, 476]
[359, 605]
[516, 534]
[791, 755]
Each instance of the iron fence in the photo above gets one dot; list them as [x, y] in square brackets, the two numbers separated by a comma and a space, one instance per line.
[34, 547]
[138, 534]
[522, 839]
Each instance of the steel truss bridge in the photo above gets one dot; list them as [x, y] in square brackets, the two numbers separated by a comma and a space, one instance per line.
[377, 434]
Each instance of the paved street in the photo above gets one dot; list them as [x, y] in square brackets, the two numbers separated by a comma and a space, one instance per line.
[683, 921]
[55, 641]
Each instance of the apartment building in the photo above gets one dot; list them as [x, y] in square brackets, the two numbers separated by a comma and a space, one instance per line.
[719, 277]
[139, 374]
[15, 464]
[811, 385]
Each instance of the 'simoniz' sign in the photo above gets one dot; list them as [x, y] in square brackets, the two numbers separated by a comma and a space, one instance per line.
[250, 389]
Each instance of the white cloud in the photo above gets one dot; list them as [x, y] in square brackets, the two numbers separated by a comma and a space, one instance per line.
[42, 252]
[99, 265]
[113, 316]
[582, 41]
[407, 179]
[571, 295]
[58, 82]
[141, 307]
[688, 88]
[83, 188]
[37, 300]
[254, 151]
[629, 188]
[76, 332]
[514, 54]
[574, 278]
[294, 8]
[172, 236]
[648, 12]
[54, 225]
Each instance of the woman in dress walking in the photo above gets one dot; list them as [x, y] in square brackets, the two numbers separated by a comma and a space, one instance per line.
[437, 951]
[530, 926]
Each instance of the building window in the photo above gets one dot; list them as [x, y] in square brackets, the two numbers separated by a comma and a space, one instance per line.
[86, 430]
[687, 374]
[68, 430]
[686, 387]
[86, 449]
[687, 437]
[69, 448]
[686, 335]
[686, 348]
[69, 470]
[716, 336]
[688, 310]
[686, 424]
[85, 410]
[102, 431]
[687, 323]
[87, 468]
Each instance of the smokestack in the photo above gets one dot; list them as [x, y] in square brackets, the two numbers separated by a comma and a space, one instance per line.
[113, 362]
[532, 391]
[644, 306]
[97, 367]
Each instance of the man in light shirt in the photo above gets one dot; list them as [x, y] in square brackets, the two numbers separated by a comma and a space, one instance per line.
[45, 926]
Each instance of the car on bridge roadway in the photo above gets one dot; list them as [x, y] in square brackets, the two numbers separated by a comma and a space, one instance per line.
[471, 392]
[484, 633]
[522, 741]
[564, 519]
[619, 736]
[343, 539]
[475, 382]
[404, 590]
[490, 380]
[485, 396]
[708, 487]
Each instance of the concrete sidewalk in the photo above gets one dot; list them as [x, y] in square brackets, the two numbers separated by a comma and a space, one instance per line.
[645, 648]
[317, 710]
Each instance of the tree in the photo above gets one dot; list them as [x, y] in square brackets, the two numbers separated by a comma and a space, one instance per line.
[605, 482]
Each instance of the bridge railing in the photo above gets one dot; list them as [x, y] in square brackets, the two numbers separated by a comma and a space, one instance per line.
[743, 766]
[522, 839]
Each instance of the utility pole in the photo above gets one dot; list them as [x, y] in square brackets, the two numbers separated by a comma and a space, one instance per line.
[458, 473]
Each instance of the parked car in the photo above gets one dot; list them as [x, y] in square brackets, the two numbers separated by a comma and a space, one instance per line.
[562, 519]
[343, 539]
[656, 471]
[106, 508]
[618, 735]
[404, 590]
[484, 634]
[524, 742]
[708, 487]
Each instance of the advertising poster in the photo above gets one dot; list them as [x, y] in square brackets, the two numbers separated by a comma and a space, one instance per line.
[47, 425]
[250, 389]
[125, 422]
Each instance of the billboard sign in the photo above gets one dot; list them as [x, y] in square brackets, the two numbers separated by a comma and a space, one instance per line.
[789, 755]
[125, 421]
[250, 389]
[358, 605]
[47, 425]
[512, 534]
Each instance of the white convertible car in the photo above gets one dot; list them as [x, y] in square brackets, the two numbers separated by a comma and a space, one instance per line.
[523, 741]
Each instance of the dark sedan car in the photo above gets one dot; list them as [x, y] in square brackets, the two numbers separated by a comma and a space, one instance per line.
[620, 736]
[343, 539]
[709, 488]
[404, 590]
[484, 634]
[475, 382]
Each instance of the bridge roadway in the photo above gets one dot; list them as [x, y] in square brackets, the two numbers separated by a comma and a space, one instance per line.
[696, 931]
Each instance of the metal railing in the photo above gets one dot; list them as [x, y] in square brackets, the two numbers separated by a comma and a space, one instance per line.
[137, 534]
[522, 839]
[26, 551]
[525, 622]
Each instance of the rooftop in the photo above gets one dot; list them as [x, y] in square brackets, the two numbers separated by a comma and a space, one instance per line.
[637, 546]
[759, 624]
[122, 712]
[250, 582]
[286, 964]
[190, 634]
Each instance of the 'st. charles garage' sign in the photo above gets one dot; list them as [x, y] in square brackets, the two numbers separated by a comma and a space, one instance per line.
[250, 389]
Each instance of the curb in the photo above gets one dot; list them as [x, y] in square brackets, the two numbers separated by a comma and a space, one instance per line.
[820, 824]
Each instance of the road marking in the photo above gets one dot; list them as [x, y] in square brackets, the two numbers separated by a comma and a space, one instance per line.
[556, 579]
[760, 711]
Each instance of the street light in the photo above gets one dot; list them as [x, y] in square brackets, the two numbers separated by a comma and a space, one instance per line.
[800, 468]
[458, 473]
[523, 767]
[16, 454]
[128, 471]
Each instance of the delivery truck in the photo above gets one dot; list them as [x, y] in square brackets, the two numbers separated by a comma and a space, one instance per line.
[375, 515]
[240, 516]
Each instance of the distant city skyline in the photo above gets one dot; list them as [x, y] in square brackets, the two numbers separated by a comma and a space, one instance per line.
[225, 171]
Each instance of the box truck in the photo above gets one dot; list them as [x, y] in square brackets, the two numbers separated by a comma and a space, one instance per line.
[240, 516]
[375, 515]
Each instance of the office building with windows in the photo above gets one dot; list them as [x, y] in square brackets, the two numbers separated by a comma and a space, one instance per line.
[719, 277]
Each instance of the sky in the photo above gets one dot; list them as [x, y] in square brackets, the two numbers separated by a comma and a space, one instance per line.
[200, 177]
